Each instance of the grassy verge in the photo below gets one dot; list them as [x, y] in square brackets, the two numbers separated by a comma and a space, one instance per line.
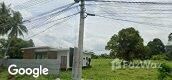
[100, 70]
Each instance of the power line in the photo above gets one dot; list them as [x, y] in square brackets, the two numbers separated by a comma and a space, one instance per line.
[48, 22]
[132, 2]
[134, 11]
[45, 13]
[53, 14]
[59, 12]
[47, 17]
[142, 13]
[111, 12]
[45, 20]
[131, 14]
[145, 23]
[68, 17]
[138, 10]
[31, 3]
[133, 8]
[46, 29]
[136, 16]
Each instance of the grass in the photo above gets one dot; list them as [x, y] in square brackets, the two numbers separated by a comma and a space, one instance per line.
[100, 70]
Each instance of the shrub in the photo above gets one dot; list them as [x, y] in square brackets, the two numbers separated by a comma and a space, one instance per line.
[164, 72]
[169, 55]
[159, 57]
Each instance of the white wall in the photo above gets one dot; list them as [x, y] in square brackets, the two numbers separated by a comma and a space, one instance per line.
[63, 53]
[84, 56]
[67, 53]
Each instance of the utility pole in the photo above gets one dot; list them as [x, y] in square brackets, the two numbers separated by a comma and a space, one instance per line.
[77, 59]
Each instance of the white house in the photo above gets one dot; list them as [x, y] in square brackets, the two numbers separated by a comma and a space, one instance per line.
[65, 56]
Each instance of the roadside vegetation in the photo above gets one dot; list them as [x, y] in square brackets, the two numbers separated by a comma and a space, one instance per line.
[100, 70]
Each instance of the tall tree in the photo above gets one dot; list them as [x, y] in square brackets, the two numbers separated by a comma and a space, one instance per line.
[17, 28]
[5, 19]
[127, 45]
[156, 46]
[11, 24]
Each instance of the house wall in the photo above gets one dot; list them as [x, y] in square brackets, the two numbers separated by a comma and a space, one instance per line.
[52, 55]
[28, 54]
[63, 53]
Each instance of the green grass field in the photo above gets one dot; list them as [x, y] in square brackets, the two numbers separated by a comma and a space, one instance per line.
[100, 70]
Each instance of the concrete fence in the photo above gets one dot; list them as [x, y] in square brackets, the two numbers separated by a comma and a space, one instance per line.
[53, 65]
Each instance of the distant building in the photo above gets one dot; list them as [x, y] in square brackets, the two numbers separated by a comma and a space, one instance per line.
[65, 56]
[169, 46]
[169, 50]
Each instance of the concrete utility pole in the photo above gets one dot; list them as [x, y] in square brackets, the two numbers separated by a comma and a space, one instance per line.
[77, 60]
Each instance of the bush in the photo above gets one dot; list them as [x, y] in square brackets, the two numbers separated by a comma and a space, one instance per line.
[159, 57]
[169, 55]
[164, 72]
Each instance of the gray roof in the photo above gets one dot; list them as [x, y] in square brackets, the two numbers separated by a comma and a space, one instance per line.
[46, 47]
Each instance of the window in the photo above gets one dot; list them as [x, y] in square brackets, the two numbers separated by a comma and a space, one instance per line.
[40, 55]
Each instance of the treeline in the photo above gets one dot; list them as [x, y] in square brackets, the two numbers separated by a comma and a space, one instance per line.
[128, 45]
[96, 56]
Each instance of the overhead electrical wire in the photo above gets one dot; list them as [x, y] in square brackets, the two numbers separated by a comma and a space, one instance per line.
[65, 19]
[134, 10]
[139, 10]
[128, 14]
[59, 12]
[31, 3]
[145, 23]
[51, 14]
[46, 29]
[48, 22]
[48, 18]
[53, 10]
[141, 13]
[132, 2]
[136, 16]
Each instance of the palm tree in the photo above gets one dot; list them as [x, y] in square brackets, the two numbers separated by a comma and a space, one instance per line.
[17, 28]
[5, 19]
[11, 24]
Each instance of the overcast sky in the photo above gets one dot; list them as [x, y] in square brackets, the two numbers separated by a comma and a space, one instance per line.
[152, 21]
